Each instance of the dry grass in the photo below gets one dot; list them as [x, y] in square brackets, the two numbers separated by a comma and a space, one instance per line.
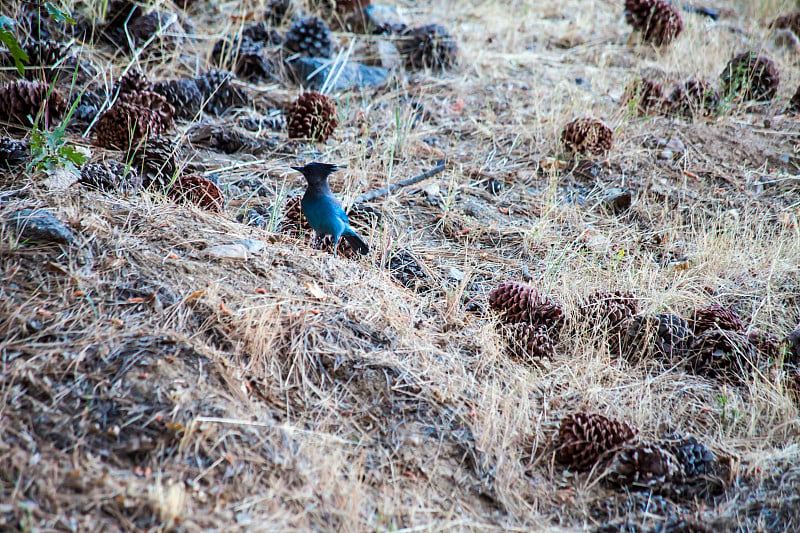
[146, 385]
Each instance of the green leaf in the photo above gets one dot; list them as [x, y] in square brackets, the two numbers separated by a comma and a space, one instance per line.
[17, 53]
[58, 15]
[72, 155]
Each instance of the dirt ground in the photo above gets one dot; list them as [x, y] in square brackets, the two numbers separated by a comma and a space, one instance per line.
[149, 384]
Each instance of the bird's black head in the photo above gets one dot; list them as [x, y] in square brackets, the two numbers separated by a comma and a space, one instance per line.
[316, 173]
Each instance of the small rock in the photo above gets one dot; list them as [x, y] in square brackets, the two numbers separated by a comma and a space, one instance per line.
[39, 225]
[253, 246]
[235, 252]
[617, 199]
[675, 144]
[665, 155]
[312, 72]
[454, 273]
[388, 54]
[61, 178]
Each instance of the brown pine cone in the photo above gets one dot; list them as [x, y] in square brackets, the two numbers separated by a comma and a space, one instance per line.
[13, 152]
[694, 98]
[587, 135]
[749, 76]
[132, 82]
[644, 95]
[644, 466]
[659, 22]
[245, 55]
[609, 310]
[24, 98]
[520, 303]
[765, 342]
[198, 190]
[429, 46]
[294, 222]
[312, 116]
[110, 176]
[787, 21]
[527, 342]
[584, 438]
[724, 355]
[716, 317]
[663, 335]
[262, 33]
[224, 139]
[131, 118]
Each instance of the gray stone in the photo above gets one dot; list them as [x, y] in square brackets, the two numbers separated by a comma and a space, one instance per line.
[312, 72]
[379, 18]
[39, 225]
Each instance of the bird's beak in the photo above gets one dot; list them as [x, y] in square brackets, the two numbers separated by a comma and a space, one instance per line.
[299, 169]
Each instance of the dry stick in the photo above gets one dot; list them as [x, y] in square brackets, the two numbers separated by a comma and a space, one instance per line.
[383, 191]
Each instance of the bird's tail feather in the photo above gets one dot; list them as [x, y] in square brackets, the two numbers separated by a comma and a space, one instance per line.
[356, 242]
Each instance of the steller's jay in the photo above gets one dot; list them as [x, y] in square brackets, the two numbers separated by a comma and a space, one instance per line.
[324, 211]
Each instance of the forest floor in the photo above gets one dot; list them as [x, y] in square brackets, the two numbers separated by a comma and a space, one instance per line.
[149, 381]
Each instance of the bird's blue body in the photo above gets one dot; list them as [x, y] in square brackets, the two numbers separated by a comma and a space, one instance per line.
[324, 211]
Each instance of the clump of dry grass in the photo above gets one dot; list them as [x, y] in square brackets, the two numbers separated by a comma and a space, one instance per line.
[147, 383]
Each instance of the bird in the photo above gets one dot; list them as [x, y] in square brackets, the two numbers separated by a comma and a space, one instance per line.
[324, 211]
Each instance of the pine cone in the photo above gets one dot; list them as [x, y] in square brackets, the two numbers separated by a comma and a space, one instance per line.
[110, 176]
[693, 99]
[132, 82]
[158, 161]
[584, 438]
[224, 139]
[183, 95]
[261, 33]
[787, 21]
[218, 92]
[309, 36]
[43, 56]
[406, 270]
[792, 342]
[519, 303]
[644, 466]
[587, 135]
[666, 336]
[749, 76]
[645, 95]
[429, 46]
[609, 310]
[245, 54]
[294, 222]
[89, 106]
[119, 15]
[766, 343]
[198, 190]
[154, 23]
[527, 342]
[659, 22]
[694, 458]
[13, 152]
[724, 355]
[279, 11]
[311, 116]
[133, 117]
[24, 98]
[716, 317]
[794, 103]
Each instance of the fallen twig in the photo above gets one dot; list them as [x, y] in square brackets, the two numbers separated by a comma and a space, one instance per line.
[383, 191]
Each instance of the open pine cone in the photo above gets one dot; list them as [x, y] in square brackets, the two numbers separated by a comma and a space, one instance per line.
[311, 116]
[218, 93]
[520, 303]
[13, 152]
[585, 438]
[294, 222]
[527, 342]
[23, 99]
[183, 95]
[198, 190]
[659, 21]
[429, 46]
[694, 458]
[749, 76]
[110, 176]
[609, 310]
[644, 95]
[716, 317]
[133, 117]
[644, 465]
[663, 335]
[245, 55]
[279, 12]
[587, 135]
[725, 355]
[310, 37]
[694, 98]
[157, 160]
